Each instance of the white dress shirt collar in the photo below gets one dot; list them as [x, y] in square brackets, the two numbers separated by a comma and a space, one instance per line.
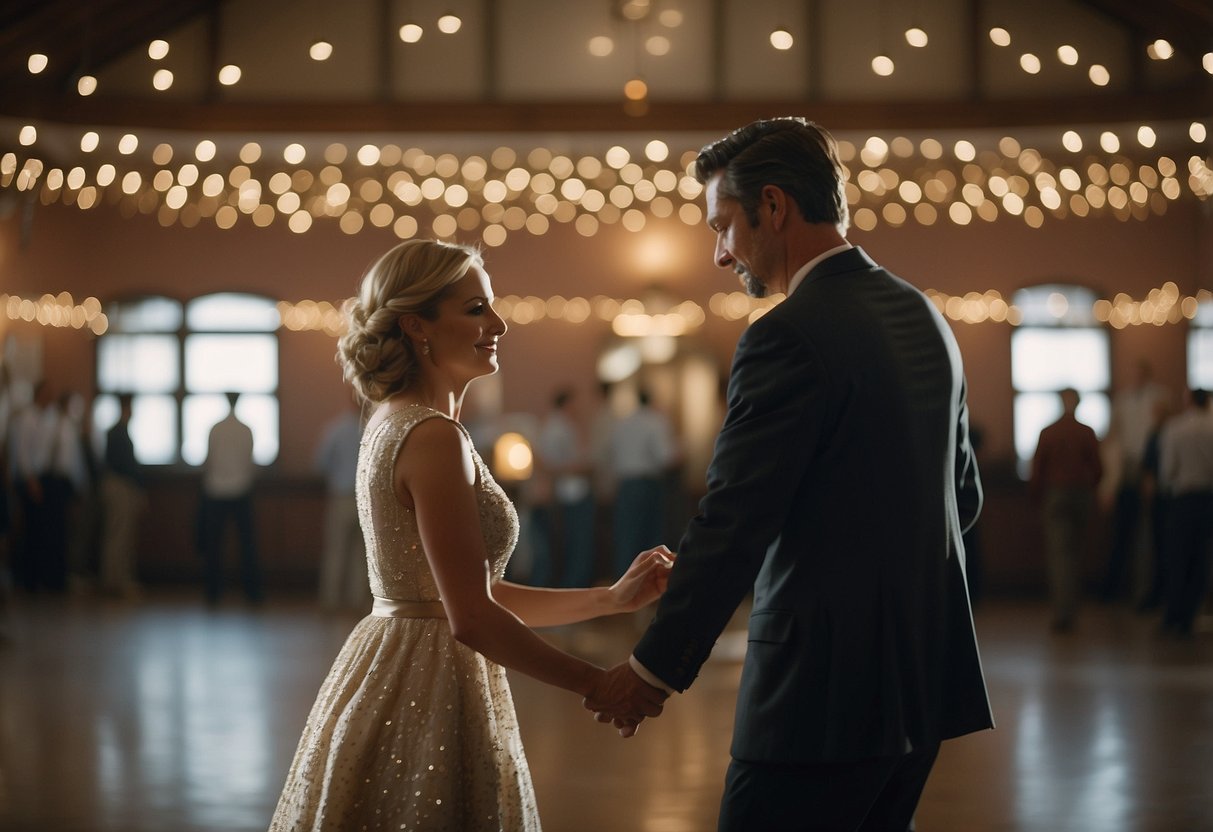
[804, 270]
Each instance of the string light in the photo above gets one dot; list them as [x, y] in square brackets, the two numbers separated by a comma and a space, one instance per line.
[320, 50]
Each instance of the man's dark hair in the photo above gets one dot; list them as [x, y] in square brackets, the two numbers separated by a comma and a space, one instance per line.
[793, 154]
[1200, 398]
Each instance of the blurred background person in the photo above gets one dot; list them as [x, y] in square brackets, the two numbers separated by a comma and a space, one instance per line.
[82, 467]
[1132, 419]
[44, 492]
[123, 500]
[1186, 472]
[227, 496]
[1155, 501]
[642, 448]
[343, 578]
[1065, 474]
[564, 455]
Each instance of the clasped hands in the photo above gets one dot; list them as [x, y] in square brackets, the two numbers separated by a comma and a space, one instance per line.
[623, 699]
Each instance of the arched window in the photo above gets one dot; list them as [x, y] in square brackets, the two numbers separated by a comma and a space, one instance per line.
[1058, 344]
[179, 361]
[1200, 348]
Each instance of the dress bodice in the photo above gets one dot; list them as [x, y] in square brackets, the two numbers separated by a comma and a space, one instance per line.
[396, 560]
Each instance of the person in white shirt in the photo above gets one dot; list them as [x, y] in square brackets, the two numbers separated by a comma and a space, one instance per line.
[642, 448]
[227, 495]
[564, 456]
[43, 468]
[343, 578]
[1186, 472]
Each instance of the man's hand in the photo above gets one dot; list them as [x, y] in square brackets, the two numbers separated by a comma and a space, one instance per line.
[624, 699]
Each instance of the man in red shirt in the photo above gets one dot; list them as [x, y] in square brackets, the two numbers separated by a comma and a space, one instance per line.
[1065, 473]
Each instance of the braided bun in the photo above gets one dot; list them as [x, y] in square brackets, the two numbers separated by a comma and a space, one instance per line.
[375, 355]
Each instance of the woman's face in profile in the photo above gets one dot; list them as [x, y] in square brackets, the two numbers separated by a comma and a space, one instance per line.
[463, 339]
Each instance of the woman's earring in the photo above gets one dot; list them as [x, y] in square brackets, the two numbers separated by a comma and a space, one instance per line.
[425, 347]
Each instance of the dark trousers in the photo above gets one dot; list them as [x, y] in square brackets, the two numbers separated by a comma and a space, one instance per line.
[1126, 516]
[872, 795]
[214, 516]
[41, 560]
[577, 535]
[1190, 535]
[639, 519]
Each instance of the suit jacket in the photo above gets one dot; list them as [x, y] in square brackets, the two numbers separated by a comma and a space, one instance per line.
[840, 484]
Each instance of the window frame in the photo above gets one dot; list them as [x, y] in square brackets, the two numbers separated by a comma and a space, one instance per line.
[181, 334]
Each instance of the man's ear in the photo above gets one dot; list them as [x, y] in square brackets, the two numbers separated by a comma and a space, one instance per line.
[774, 199]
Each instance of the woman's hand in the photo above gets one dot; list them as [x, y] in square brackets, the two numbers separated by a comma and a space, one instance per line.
[644, 581]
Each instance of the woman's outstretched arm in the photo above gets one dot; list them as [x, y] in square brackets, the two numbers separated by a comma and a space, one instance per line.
[437, 476]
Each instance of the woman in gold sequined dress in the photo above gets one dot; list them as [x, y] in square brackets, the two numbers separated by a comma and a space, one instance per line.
[414, 727]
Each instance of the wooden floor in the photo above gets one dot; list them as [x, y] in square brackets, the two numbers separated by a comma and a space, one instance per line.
[162, 715]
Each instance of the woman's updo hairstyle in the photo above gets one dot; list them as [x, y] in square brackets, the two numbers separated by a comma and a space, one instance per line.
[375, 355]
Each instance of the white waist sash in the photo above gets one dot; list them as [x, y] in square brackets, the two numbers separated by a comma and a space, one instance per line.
[394, 608]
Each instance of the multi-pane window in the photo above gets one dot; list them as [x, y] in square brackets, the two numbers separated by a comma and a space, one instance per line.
[1058, 344]
[179, 361]
[1200, 348]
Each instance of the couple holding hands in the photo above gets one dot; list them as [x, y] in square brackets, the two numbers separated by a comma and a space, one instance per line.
[838, 491]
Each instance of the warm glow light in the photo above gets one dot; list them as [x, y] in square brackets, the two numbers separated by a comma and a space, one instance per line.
[321, 50]
[449, 24]
[128, 144]
[37, 62]
[294, 153]
[157, 50]
[410, 33]
[657, 151]
[163, 79]
[1029, 63]
[1099, 75]
[1160, 50]
[657, 45]
[600, 46]
[916, 37]
[636, 90]
[229, 75]
[1207, 62]
[205, 151]
[782, 39]
[28, 135]
[882, 65]
[512, 457]
[1146, 136]
[670, 18]
[1109, 142]
[87, 85]
[89, 141]
[1197, 132]
[1067, 54]
[1071, 141]
[1000, 36]
[965, 151]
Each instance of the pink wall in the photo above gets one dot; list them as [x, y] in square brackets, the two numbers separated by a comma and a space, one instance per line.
[100, 253]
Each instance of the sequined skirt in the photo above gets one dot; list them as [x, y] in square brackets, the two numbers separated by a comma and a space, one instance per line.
[411, 730]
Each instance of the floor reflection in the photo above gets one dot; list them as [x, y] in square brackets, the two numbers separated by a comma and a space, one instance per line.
[163, 715]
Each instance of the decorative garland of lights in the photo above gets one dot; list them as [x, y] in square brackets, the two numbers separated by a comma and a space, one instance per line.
[631, 318]
[891, 182]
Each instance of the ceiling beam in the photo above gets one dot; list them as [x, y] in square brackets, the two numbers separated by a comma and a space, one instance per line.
[1190, 102]
[1187, 24]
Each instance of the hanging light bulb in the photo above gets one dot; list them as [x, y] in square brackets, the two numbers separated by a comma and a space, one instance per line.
[321, 50]
[882, 65]
[916, 36]
[410, 33]
[781, 38]
[636, 95]
[449, 24]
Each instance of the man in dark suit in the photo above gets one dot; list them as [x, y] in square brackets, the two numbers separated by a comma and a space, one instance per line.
[841, 483]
